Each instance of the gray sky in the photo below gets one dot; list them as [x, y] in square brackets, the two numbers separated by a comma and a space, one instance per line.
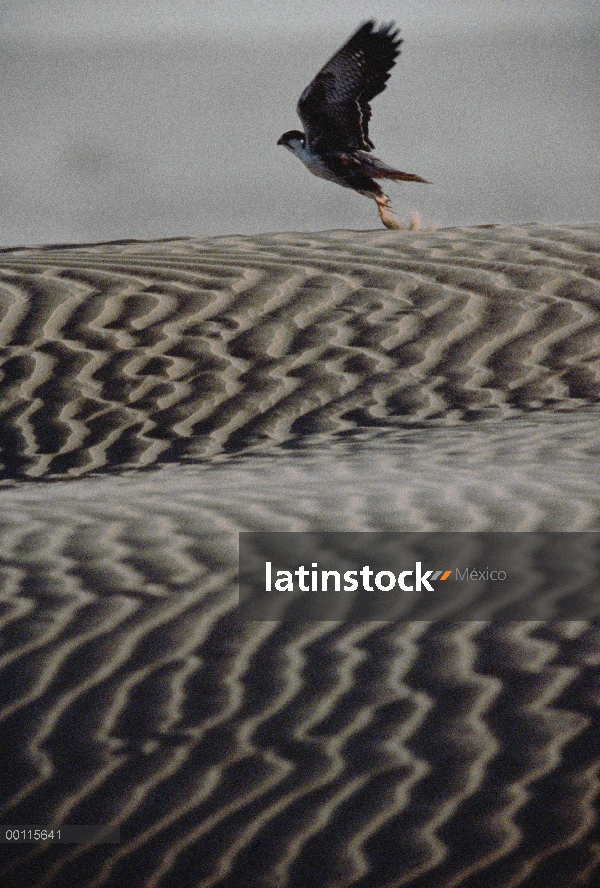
[100, 19]
[156, 119]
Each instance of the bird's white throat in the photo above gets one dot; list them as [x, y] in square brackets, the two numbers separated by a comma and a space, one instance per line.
[313, 162]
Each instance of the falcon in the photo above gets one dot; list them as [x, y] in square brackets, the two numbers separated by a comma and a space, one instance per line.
[335, 111]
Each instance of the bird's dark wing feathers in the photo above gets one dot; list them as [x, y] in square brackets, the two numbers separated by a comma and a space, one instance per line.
[334, 107]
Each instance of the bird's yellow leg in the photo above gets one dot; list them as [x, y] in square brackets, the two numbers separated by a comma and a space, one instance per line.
[388, 217]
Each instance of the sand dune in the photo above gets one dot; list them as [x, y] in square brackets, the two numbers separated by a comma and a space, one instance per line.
[123, 355]
[156, 399]
[263, 754]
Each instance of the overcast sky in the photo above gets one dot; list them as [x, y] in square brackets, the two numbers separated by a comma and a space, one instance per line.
[108, 19]
[140, 118]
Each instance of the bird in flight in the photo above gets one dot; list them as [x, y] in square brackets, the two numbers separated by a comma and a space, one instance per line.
[334, 109]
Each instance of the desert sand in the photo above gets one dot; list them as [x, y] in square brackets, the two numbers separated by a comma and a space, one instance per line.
[159, 397]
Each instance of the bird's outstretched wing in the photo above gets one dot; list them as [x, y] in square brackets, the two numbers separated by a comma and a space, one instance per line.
[334, 107]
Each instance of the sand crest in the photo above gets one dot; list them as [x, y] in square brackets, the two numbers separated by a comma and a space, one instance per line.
[122, 355]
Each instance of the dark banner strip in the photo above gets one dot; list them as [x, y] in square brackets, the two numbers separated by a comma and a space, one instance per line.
[419, 576]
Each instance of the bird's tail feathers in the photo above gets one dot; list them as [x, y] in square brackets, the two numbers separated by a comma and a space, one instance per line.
[380, 170]
[405, 177]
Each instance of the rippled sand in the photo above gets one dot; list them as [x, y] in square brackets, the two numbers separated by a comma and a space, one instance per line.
[157, 398]
[122, 355]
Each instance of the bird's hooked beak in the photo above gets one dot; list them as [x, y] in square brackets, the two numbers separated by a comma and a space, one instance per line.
[287, 139]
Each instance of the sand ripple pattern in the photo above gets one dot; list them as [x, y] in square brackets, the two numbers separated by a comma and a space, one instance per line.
[339, 381]
[121, 355]
[263, 754]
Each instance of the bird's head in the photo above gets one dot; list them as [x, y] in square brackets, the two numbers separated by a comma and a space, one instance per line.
[292, 140]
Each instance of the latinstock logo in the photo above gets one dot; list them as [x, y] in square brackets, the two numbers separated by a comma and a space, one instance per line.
[315, 580]
[395, 575]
